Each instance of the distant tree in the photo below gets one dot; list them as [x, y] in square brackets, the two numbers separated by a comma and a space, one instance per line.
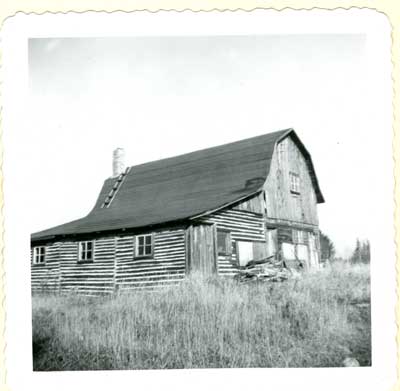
[356, 257]
[362, 252]
[328, 250]
[366, 252]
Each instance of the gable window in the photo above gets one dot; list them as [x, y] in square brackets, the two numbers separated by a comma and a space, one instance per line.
[294, 183]
[86, 251]
[39, 255]
[144, 246]
[224, 243]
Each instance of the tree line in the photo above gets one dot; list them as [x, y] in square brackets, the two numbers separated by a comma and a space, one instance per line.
[360, 254]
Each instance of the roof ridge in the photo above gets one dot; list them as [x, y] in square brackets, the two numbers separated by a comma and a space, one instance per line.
[238, 142]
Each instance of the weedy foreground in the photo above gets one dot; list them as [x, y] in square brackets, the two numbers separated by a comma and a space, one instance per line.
[314, 321]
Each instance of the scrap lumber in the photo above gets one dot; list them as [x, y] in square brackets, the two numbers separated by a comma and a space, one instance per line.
[267, 269]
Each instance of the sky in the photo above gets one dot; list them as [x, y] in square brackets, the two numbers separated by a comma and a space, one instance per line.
[162, 96]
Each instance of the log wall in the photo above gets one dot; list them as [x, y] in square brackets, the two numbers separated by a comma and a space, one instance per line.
[45, 277]
[166, 267]
[114, 266]
[91, 277]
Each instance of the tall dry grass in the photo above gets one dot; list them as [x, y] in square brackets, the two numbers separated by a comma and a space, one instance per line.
[309, 322]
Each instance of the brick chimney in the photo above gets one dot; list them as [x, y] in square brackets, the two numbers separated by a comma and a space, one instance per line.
[118, 161]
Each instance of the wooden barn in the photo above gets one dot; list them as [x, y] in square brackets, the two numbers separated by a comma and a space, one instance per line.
[210, 211]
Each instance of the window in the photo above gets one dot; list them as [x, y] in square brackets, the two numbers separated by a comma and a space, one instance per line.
[294, 183]
[144, 246]
[224, 242]
[86, 251]
[39, 255]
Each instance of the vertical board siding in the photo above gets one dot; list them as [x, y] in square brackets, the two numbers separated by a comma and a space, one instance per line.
[255, 204]
[203, 255]
[92, 277]
[166, 267]
[281, 203]
[242, 225]
[45, 277]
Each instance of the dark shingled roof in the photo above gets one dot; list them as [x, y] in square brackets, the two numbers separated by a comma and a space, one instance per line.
[181, 187]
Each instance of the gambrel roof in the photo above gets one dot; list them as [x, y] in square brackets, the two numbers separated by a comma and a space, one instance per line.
[182, 187]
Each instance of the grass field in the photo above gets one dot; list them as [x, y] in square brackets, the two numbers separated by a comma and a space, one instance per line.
[315, 321]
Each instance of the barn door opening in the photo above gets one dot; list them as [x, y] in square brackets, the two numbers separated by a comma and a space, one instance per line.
[202, 249]
[250, 251]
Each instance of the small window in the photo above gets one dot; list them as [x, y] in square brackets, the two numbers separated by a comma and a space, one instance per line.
[294, 183]
[224, 242]
[39, 255]
[86, 251]
[144, 245]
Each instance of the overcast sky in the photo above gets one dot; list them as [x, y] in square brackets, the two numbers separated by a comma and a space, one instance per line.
[163, 96]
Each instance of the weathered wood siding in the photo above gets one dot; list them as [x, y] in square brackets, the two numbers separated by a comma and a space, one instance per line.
[114, 266]
[91, 277]
[45, 277]
[242, 225]
[255, 204]
[281, 204]
[202, 249]
[166, 267]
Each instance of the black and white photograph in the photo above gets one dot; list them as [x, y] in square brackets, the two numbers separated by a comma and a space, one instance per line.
[201, 192]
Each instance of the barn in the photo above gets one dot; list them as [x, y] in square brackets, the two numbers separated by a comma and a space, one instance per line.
[210, 211]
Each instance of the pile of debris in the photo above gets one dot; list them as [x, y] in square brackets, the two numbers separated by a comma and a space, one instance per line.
[267, 269]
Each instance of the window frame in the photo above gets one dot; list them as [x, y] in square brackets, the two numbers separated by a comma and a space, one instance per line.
[294, 182]
[36, 255]
[81, 251]
[145, 255]
[228, 242]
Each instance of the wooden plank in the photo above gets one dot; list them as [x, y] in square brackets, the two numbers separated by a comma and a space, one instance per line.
[114, 278]
[203, 254]
[191, 246]
[215, 244]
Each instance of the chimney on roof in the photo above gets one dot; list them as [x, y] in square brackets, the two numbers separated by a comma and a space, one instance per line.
[118, 161]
